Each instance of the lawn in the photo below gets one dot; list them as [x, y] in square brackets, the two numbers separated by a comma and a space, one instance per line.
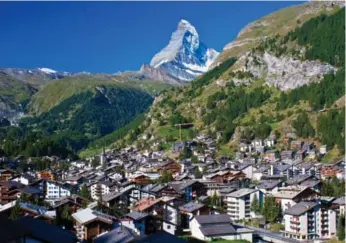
[173, 132]
[225, 150]
[331, 156]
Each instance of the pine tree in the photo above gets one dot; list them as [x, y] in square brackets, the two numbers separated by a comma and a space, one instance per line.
[255, 205]
[84, 192]
[198, 174]
[271, 209]
[341, 228]
[15, 212]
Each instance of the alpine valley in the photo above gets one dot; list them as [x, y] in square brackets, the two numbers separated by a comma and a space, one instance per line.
[283, 75]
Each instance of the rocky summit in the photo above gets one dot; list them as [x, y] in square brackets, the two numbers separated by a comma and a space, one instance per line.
[185, 57]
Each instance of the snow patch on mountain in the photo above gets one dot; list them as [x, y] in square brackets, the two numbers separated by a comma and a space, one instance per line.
[185, 57]
[47, 70]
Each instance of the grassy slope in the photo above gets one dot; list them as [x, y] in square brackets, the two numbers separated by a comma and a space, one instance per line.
[58, 90]
[14, 89]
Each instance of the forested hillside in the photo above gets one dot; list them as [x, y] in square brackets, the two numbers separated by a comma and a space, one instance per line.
[75, 111]
[235, 99]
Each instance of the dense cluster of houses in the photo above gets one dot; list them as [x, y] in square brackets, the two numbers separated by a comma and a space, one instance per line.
[127, 199]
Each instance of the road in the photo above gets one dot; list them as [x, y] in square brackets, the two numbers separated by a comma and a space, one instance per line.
[262, 232]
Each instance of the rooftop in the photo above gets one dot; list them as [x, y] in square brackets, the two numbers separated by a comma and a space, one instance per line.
[213, 219]
[241, 192]
[191, 206]
[300, 208]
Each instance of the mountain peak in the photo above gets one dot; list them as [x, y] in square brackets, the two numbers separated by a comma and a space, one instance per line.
[185, 57]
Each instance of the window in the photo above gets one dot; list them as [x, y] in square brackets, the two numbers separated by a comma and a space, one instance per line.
[168, 227]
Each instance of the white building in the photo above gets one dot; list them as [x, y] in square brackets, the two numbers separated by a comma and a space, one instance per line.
[239, 203]
[101, 188]
[309, 221]
[291, 195]
[56, 190]
[218, 226]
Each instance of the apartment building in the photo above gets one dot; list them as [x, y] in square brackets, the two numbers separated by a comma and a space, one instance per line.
[239, 203]
[56, 190]
[309, 221]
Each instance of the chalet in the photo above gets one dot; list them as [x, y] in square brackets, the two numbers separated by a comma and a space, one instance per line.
[339, 206]
[287, 154]
[270, 155]
[121, 199]
[178, 147]
[333, 170]
[46, 175]
[8, 191]
[142, 223]
[190, 210]
[323, 149]
[210, 227]
[256, 143]
[261, 171]
[25, 179]
[226, 176]
[149, 205]
[140, 179]
[308, 146]
[171, 166]
[297, 145]
[291, 195]
[6, 174]
[89, 223]
[189, 189]
[269, 142]
[269, 186]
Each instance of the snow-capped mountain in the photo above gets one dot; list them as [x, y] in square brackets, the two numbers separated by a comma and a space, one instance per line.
[185, 57]
[36, 77]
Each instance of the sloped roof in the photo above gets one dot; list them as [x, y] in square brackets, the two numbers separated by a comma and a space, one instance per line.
[300, 208]
[41, 230]
[213, 219]
[218, 230]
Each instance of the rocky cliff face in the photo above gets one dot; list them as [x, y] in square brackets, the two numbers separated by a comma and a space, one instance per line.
[285, 72]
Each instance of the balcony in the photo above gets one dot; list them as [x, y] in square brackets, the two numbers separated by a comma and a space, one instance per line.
[294, 222]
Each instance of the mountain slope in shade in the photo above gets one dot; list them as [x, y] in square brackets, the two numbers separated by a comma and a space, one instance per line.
[185, 57]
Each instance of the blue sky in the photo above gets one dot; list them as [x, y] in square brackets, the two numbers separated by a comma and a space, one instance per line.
[112, 36]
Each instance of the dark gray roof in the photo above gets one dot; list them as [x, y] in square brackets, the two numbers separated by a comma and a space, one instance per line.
[136, 215]
[161, 236]
[213, 219]
[300, 208]
[11, 231]
[41, 230]
[119, 235]
[297, 179]
[191, 206]
[269, 184]
[310, 183]
[218, 230]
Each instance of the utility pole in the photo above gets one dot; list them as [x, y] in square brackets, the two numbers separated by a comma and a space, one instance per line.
[180, 125]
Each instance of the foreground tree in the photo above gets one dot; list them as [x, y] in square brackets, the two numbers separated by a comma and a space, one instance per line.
[255, 205]
[341, 228]
[271, 209]
[15, 212]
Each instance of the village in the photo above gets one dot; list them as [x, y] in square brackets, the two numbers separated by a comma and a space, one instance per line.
[130, 195]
